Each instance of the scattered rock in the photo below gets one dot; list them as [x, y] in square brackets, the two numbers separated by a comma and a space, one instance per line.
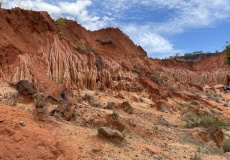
[23, 123]
[127, 107]
[163, 122]
[227, 154]
[134, 98]
[121, 95]
[65, 110]
[110, 134]
[110, 105]
[64, 96]
[213, 111]
[2, 119]
[24, 87]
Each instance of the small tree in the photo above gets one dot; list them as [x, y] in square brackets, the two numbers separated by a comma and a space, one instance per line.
[0, 4]
[227, 49]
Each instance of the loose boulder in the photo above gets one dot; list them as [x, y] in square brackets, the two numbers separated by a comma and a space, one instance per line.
[24, 87]
[64, 110]
[127, 107]
[110, 134]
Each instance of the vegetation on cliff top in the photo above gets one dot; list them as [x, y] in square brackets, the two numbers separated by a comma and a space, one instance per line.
[227, 49]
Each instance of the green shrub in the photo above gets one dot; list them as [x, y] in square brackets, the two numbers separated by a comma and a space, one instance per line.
[125, 133]
[155, 78]
[97, 105]
[192, 120]
[208, 121]
[227, 49]
[205, 120]
[110, 105]
[197, 156]
[60, 22]
[107, 41]
[115, 113]
[83, 47]
[137, 70]
[88, 97]
[104, 40]
[226, 145]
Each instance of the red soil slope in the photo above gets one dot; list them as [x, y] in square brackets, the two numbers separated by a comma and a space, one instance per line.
[63, 55]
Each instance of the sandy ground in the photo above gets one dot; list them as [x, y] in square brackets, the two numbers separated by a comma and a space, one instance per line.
[151, 134]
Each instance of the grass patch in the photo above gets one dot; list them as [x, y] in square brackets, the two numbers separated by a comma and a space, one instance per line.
[155, 78]
[205, 120]
[88, 97]
[115, 113]
[137, 70]
[60, 22]
[83, 47]
[110, 105]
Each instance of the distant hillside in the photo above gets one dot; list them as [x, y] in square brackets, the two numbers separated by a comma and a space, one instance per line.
[195, 56]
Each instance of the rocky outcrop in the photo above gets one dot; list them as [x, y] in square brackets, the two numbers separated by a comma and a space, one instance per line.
[212, 134]
[24, 87]
[70, 68]
[64, 110]
[110, 134]
[188, 76]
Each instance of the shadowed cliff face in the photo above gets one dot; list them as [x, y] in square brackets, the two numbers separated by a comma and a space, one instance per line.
[56, 56]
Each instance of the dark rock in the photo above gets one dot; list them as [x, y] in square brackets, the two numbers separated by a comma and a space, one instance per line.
[127, 107]
[2, 119]
[65, 110]
[24, 87]
[110, 134]
[23, 123]
[64, 96]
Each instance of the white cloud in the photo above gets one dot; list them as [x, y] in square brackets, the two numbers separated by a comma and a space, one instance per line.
[154, 44]
[74, 8]
[152, 36]
[186, 15]
[44, 6]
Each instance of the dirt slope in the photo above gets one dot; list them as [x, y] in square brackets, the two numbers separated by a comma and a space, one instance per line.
[111, 83]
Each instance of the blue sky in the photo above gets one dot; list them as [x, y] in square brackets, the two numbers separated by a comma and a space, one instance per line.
[161, 27]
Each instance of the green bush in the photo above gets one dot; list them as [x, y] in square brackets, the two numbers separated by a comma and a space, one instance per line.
[226, 145]
[227, 49]
[197, 156]
[88, 97]
[137, 70]
[205, 120]
[155, 78]
[107, 41]
[192, 120]
[115, 113]
[60, 22]
[110, 105]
